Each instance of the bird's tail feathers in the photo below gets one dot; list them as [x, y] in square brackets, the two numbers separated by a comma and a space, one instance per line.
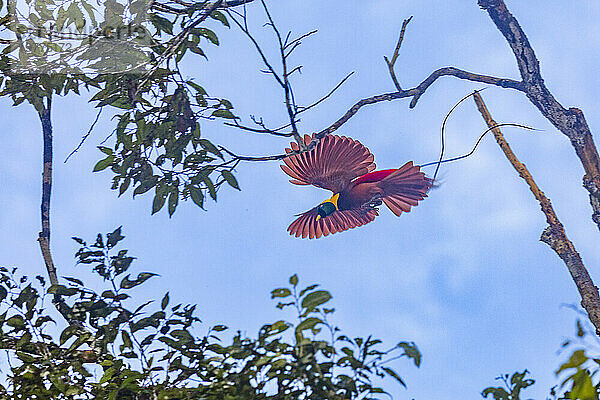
[404, 188]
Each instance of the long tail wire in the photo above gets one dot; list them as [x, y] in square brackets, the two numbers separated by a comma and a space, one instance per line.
[443, 139]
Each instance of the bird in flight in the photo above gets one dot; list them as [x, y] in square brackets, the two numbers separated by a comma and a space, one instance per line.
[345, 167]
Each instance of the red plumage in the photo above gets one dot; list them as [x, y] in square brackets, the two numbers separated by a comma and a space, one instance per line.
[344, 166]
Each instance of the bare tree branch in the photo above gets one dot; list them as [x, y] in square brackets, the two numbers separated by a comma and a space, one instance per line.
[460, 74]
[570, 122]
[235, 3]
[44, 111]
[554, 235]
[185, 7]
[415, 93]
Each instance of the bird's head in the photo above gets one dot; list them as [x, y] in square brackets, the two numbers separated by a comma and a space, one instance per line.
[328, 207]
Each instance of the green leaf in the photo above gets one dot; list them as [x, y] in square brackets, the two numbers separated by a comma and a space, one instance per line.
[315, 299]
[197, 196]
[294, 280]
[411, 351]
[394, 375]
[199, 89]
[15, 321]
[210, 35]
[230, 179]
[211, 188]
[583, 387]
[223, 113]
[159, 202]
[580, 331]
[162, 24]
[308, 323]
[497, 392]
[73, 280]
[208, 146]
[165, 301]
[126, 283]
[307, 289]
[62, 290]
[173, 200]
[281, 292]
[106, 150]
[26, 358]
[124, 185]
[219, 16]
[114, 237]
[577, 359]
[67, 333]
[144, 186]
[126, 339]
[276, 328]
[104, 163]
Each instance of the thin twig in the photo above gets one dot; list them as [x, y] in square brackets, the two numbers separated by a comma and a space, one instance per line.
[264, 59]
[554, 235]
[260, 158]
[256, 130]
[322, 99]
[84, 138]
[392, 62]
[290, 103]
[283, 77]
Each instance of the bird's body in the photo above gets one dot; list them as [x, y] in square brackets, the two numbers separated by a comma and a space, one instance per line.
[345, 167]
[363, 190]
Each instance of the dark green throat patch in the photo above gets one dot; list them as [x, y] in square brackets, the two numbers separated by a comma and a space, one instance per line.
[326, 208]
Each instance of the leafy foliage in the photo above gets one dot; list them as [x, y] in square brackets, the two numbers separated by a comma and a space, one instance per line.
[580, 372]
[115, 348]
[512, 386]
[159, 145]
[581, 369]
[127, 53]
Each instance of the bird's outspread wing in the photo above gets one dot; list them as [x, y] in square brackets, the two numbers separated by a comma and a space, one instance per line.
[307, 225]
[331, 165]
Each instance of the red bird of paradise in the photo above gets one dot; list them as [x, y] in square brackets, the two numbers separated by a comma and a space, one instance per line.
[345, 167]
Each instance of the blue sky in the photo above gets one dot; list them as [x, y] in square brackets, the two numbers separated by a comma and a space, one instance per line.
[463, 275]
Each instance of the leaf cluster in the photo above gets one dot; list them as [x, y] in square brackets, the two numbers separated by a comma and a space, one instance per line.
[61, 48]
[578, 374]
[115, 348]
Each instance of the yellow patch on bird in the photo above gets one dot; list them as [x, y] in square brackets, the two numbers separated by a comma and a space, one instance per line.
[334, 200]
